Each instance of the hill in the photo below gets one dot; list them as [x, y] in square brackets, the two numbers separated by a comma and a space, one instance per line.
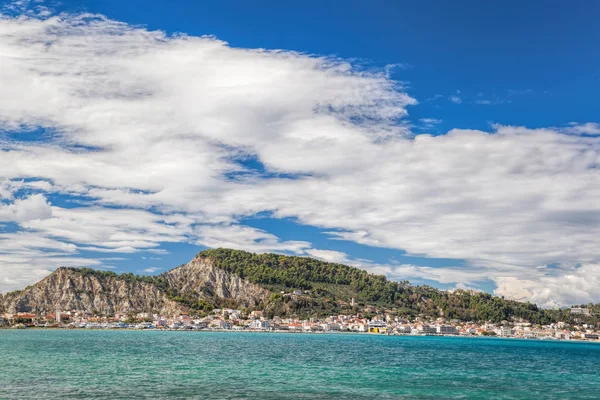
[278, 284]
[332, 287]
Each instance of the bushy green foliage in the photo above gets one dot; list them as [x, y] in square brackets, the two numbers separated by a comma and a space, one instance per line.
[304, 273]
[325, 280]
[127, 277]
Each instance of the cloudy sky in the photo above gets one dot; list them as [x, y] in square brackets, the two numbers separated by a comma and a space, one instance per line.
[451, 146]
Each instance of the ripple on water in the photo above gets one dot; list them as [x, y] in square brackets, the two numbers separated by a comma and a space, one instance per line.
[148, 364]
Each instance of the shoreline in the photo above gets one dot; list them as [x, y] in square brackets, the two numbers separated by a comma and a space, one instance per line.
[298, 333]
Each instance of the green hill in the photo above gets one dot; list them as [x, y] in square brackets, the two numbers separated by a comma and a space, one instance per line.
[278, 284]
[332, 287]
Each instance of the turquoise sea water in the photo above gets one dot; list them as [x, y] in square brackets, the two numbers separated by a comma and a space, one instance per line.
[148, 364]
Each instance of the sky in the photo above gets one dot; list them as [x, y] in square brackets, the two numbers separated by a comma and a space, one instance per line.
[454, 144]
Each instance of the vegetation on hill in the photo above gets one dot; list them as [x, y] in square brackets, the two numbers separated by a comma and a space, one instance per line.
[328, 288]
[327, 281]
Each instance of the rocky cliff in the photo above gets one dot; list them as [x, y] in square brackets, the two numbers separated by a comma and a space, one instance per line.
[173, 292]
[70, 289]
[201, 279]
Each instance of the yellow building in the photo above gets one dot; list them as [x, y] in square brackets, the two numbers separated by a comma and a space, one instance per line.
[377, 327]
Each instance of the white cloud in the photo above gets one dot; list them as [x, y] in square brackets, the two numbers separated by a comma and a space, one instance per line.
[22, 210]
[329, 256]
[430, 120]
[588, 128]
[429, 123]
[112, 230]
[148, 131]
[26, 257]
[575, 286]
[455, 99]
[246, 238]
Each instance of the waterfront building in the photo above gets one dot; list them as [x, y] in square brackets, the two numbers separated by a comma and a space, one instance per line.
[504, 331]
[259, 324]
[446, 330]
[217, 323]
[160, 322]
[295, 326]
[426, 329]
[377, 327]
[330, 327]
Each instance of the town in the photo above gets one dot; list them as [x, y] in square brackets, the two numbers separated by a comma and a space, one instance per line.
[386, 322]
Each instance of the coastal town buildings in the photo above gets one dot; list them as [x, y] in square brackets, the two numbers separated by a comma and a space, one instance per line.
[236, 320]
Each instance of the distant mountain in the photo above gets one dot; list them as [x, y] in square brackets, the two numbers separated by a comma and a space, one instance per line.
[278, 284]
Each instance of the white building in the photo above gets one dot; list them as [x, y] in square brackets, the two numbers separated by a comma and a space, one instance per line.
[580, 310]
[403, 329]
[258, 324]
[330, 327]
[505, 331]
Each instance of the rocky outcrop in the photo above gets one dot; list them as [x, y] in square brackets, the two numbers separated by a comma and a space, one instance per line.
[201, 279]
[69, 289]
[73, 289]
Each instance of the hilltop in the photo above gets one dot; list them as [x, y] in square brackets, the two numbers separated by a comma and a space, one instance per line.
[278, 284]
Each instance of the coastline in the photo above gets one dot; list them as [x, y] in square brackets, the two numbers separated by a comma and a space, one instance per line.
[232, 331]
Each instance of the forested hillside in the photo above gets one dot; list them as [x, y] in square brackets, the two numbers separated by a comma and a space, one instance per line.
[332, 286]
[277, 284]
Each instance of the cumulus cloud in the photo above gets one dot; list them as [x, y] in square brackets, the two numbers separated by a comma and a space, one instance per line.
[22, 210]
[149, 134]
[588, 128]
[579, 285]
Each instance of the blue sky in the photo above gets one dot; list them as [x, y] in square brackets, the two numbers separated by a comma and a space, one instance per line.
[526, 58]
[452, 144]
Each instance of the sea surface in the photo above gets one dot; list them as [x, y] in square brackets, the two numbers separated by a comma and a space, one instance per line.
[54, 364]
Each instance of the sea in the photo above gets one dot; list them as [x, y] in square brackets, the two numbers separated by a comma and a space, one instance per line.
[86, 364]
